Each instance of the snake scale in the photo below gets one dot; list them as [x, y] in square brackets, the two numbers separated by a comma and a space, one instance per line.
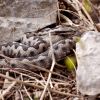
[35, 50]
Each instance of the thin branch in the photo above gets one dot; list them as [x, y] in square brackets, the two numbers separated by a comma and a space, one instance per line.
[31, 65]
[26, 90]
[52, 67]
[36, 86]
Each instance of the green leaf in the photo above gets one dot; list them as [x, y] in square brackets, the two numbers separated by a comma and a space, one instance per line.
[87, 6]
[70, 62]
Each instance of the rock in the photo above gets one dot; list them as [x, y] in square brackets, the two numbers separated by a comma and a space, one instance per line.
[19, 16]
[88, 58]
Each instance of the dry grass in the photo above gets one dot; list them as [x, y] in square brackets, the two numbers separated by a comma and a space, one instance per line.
[56, 83]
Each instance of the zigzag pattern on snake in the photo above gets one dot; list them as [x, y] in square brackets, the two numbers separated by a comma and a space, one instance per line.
[35, 50]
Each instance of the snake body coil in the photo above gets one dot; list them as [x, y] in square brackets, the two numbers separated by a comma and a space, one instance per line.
[35, 50]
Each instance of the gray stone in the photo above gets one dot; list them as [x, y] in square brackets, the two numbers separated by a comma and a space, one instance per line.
[19, 16]
[88, 57]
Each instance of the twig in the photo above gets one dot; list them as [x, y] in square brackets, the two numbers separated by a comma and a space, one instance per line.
[88, 16]
[18, 72]
[26, 90]
[58, 13]
[1, 96]
[31, 65]
[52, 67]
[36, 86]
[8, 89]
[47, 89]
[21, 96]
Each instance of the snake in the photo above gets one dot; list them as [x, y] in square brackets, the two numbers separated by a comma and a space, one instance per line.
[35, 49]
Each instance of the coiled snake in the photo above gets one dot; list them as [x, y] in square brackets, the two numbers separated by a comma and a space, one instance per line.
[35, 50]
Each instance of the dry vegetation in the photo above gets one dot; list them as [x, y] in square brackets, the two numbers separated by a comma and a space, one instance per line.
[55, 83]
